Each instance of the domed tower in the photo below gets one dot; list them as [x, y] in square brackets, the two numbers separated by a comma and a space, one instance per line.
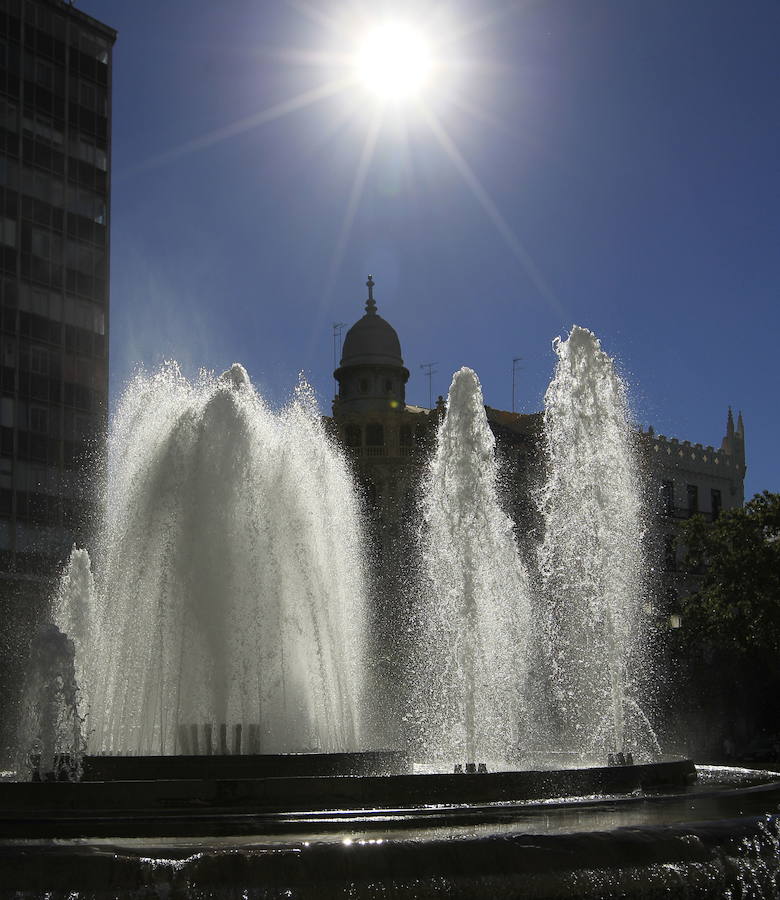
[372, 376]
[386, 442]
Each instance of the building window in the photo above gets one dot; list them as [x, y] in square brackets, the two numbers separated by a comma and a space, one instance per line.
[43, 187]
[84, 428]
[39, 419]
[375, 435]
[44, 74]
[352, 436]
[716, 503]
[7, 412]
[406, 435]
[9, 172]
[364, 385]
[43, 128]
[46, 244]
[7, 232]
[388, 384]
[94, 46]
[670, 553]
[88, 95]
[693, 499]
[8, 116]
[667, 498]
[6, 473]
[39, 360]
[80, 257]
[83, 148]
[9, 352]
[83, 202]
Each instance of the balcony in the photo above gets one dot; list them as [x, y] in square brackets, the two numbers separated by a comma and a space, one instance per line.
[392, 452]
[677, 512]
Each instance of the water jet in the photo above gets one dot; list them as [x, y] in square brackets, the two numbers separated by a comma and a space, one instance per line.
[220, 512]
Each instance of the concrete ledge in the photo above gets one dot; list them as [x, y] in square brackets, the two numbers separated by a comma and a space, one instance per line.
[247, 766]
[235, 806]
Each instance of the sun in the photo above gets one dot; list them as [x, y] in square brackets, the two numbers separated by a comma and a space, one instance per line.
[393, 62]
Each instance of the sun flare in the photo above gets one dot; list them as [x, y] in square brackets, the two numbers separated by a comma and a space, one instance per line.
[393, 62]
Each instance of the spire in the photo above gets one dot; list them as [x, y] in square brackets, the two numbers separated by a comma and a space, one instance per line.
[730, 424]
[740, 424]
[370, 303]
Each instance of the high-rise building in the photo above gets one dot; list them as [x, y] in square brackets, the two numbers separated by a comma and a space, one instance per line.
[55, 151]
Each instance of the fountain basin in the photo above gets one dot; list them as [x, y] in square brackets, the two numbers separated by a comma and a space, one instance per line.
[699, 840]
[152, 796]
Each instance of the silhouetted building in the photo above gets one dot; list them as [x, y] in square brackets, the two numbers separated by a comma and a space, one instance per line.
[55, 151]
[389, 439]
[687, 480]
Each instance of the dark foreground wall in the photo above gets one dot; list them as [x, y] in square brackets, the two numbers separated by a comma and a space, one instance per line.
[230, 806]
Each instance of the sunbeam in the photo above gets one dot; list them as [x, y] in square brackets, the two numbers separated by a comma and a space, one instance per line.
[480, 115]
[486, 21]
[315, 15]
[298, 57]
[356, 192]
[239, 127]
[493, 213]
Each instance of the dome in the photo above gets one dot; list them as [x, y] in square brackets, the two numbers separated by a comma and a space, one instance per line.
[371, 340]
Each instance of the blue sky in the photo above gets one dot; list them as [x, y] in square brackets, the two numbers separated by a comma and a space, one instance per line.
[609, 163]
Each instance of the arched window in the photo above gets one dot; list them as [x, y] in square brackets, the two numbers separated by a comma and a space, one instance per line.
[375, 435]
[352, 436]
[388, 384]
[406, 435]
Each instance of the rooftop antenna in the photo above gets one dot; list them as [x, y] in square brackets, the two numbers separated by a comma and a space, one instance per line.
[338, 330]
[515, 368]
[429, 373]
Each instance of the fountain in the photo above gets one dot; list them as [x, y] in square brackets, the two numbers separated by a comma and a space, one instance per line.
[229, 588]
[590, 609]
[228, 593]
[474, 608]
[51, 741]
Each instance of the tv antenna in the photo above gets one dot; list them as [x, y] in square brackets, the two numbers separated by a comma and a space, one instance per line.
[515, 368]
[338, 330]
[429, 373]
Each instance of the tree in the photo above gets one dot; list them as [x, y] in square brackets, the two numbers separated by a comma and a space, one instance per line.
[737, 604]
[724, 658]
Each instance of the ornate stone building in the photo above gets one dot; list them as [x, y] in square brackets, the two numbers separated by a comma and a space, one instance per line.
[386, 437]
[389, 440]
[687, 479]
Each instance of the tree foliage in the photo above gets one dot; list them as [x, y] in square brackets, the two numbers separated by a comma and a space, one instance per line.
[737, 603]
